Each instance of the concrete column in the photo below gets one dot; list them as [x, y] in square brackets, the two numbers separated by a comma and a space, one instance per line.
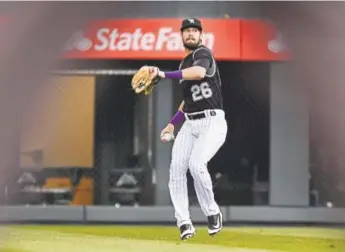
[289, 139]
[163, 112]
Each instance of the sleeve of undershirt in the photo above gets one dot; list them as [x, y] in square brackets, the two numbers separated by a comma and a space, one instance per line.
[202, 58]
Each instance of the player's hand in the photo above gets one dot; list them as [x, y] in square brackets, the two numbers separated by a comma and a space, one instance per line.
[156, 72]
[168, 129]
[153, 71]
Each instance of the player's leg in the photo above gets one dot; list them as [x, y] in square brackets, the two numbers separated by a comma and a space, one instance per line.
[212, 136]
[181, 152]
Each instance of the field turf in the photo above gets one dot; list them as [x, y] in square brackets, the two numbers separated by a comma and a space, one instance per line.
[83, 238]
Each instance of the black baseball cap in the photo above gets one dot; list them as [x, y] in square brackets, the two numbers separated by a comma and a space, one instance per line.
[191, 22]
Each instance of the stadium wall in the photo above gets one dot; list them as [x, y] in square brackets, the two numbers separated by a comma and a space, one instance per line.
[164, 215]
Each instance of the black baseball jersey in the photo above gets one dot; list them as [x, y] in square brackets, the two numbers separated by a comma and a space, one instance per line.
[202, 94]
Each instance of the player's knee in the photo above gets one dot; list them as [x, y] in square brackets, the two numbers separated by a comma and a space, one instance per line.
[178, 171]
[196, 166]
[176, 181]
[174, 164]
[177, 166]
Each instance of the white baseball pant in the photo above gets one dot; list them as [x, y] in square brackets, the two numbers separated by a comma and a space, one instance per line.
[195, 144]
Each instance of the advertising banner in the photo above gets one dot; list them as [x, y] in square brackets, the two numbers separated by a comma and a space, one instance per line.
[229, 39]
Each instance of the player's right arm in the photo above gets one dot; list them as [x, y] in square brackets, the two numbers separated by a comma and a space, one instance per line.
[181, 106]
[177, 118]
[202, 63]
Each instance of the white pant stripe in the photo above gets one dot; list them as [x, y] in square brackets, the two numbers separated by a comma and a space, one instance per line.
[195, 145]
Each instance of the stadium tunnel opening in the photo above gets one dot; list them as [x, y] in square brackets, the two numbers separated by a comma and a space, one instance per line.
[246, 104]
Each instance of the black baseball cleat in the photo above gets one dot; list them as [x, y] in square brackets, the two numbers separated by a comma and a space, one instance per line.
[215, 224]
[187, 231]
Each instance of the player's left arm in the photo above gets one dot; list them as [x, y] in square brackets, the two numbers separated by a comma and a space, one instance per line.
[202, 62]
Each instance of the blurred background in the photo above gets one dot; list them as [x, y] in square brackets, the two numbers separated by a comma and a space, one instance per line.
[74, 134]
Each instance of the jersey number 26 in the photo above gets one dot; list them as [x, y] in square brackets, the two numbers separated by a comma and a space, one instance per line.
[201, 92]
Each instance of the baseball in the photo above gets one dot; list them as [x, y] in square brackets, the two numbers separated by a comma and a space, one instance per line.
[167, 137]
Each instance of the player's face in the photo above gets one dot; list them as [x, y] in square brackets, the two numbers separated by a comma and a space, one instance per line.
[191, 38]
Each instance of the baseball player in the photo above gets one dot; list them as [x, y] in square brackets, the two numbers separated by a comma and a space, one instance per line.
[202, 133]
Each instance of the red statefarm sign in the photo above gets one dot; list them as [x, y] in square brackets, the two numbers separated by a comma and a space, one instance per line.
[259, 40]
[149, 38]
[229, 39]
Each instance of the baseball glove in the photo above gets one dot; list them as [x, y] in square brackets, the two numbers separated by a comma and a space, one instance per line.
[144, 81]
